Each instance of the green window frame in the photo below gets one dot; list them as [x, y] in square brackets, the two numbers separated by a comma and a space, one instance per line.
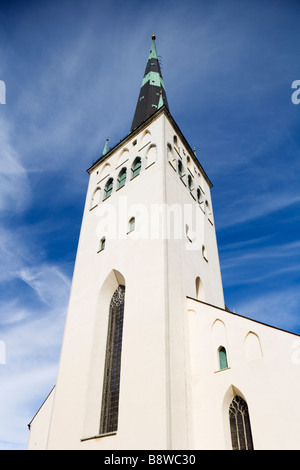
[102, 244]
[136, 167]
[131, 225]
[223, 363]
[122, 178]
[108, 188]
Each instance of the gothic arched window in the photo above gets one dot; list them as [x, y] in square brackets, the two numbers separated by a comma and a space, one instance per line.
[108, 188]
[136, 167]
[199, 196]
[241, 436]
[122, 178]
[180, 169]
[112, 369]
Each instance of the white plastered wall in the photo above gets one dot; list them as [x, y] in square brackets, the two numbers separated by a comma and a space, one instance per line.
[261, 369]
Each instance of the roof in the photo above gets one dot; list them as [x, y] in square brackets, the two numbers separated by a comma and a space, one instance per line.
[152, 93]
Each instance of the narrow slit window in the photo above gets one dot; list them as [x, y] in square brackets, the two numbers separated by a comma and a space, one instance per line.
[180, 169]
[223, 363]
[112, 370]
[102, 244]
[131, 224]
[199, 197]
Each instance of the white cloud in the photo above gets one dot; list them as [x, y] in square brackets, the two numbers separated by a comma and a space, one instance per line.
[254, 206]
[32, 350]
[32, 332]
[14, 184]
[49, 283]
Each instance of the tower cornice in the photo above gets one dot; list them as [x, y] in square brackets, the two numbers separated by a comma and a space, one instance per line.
[162, 110]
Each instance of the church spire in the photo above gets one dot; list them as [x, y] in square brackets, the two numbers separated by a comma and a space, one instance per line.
[152, 93]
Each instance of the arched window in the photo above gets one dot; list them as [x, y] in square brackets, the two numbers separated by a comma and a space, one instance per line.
[190, 183]
[241, 436]
[136, 167]
[95, 198]
[111, 382]
[122, 177]
[102, 244]
[199, 196]
[108, 188]
[180, 169]
[131, 224]
[223, 364]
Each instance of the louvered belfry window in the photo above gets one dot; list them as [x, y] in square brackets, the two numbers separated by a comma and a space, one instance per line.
[241, 436]
[111, 382]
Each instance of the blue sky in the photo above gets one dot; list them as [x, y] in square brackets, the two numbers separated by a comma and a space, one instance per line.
[72, 71]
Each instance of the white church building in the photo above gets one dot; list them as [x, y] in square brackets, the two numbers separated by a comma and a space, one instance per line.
[151, 357]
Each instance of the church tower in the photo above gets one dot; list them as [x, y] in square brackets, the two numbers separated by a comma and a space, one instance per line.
[137, 368]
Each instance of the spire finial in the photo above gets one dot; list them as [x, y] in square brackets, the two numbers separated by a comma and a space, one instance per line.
[153, 37]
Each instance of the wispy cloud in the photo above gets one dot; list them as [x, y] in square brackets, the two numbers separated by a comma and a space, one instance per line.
[280, 308]
[15, 193]
[73, 73]
[33, 339]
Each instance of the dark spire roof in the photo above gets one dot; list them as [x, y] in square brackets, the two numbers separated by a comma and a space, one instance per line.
[152, 94]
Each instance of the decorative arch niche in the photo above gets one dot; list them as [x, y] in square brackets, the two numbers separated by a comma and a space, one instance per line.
[252, 346]
[94, 389]
[151, 155]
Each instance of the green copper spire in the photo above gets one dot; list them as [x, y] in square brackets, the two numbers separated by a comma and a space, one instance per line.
[152, 93]
[105, 148]
[153, 51]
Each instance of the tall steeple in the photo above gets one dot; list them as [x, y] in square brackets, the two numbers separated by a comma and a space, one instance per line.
[152, 93]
